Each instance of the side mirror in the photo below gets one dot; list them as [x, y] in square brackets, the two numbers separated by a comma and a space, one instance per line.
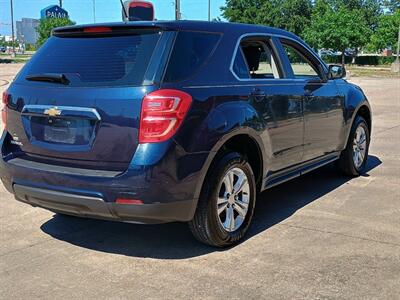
[336, 72]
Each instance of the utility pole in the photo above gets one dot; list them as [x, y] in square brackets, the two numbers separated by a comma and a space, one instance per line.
[94, 11]
[177, 9]
[60, 3]
[12, 29]
[398, 47]
[209, 10]
[396, 64]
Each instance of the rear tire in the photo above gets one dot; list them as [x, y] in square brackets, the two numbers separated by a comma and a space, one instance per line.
[226, 203]
[354, 157]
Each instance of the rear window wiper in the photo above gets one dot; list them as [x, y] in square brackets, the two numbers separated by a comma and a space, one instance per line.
[49, 77]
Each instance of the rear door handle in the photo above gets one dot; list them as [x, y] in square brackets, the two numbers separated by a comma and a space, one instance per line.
[258, 95]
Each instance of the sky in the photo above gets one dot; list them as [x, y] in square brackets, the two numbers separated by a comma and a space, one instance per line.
[81, 11]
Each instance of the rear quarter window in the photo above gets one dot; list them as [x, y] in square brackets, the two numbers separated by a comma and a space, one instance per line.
[191, 50]
[96, 61]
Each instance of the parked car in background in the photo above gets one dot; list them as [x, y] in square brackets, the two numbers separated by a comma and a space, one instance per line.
[350, 52]
[154, 122]
[326, 52]
[3, 49]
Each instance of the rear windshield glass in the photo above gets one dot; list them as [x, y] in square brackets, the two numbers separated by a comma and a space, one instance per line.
[190, 51]
[96, 61]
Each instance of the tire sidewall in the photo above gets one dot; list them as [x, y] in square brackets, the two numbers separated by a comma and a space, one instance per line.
[229, 161]
[359, 121]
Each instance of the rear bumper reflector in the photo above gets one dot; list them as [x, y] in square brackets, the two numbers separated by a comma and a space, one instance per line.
[129, 201]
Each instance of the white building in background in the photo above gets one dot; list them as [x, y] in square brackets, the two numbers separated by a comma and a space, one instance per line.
[26, 30]
[7, 38]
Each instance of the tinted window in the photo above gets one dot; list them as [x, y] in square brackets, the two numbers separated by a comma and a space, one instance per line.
[301, 66]
[191, 50]
[94, 61]
[239, 66]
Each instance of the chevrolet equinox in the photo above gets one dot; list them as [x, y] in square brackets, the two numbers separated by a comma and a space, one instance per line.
[152, 122]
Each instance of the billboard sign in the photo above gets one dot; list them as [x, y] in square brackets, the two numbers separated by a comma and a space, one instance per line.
[53, 11]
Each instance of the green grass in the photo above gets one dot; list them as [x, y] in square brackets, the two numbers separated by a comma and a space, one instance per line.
[12, 60]
[27, 56]
[367, 72]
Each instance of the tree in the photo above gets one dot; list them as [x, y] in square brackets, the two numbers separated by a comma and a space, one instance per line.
[386, 34]
[337, 27]
[291, 15]
[370, 9]
[47, 25]
[243, 11]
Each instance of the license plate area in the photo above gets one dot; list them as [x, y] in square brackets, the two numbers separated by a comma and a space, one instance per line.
[65, 131]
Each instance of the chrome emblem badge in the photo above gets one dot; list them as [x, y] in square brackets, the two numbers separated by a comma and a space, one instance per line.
[52, 112]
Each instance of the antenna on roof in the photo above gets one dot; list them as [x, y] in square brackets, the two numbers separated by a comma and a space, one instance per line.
[124, 10]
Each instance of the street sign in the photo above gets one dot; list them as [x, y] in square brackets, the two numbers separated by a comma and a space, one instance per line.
[53, 11]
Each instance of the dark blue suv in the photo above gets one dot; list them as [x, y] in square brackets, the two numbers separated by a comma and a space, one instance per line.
[152, 122]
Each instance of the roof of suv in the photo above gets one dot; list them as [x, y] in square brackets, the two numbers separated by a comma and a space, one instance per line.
[189, 25]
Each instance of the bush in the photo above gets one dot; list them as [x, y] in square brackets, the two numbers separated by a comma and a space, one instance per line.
[30, 47]
[371, 60]
[337, 59]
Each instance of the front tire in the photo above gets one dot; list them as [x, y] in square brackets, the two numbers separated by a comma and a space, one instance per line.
[353, 159]
[226, 203]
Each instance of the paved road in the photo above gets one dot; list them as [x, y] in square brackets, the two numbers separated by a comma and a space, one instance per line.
[320, 236]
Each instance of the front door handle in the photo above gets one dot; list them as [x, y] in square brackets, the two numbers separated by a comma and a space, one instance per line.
[308, 93]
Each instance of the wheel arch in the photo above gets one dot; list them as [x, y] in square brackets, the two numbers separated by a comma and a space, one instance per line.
[363, 110]
[244, 141]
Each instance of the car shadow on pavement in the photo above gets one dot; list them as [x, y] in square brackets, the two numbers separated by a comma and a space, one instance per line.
[174, 240]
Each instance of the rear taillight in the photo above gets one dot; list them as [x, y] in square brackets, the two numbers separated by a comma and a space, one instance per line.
[4, 109]
[162, 113]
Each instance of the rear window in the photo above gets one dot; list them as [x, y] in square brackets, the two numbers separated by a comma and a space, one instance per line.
[96, 61]
[191, 50]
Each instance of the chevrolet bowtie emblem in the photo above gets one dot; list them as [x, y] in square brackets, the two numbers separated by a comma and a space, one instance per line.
[52, 112]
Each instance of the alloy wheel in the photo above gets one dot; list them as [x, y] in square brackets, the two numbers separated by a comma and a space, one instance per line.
[359, 147]
[233, 199]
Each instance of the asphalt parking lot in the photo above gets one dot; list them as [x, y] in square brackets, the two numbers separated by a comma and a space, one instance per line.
[319, 236]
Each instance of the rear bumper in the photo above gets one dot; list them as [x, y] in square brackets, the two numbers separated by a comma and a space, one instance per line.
[167, 182]
[94, 207]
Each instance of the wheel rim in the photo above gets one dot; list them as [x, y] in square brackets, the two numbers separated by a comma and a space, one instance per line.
[359, 147]
[233, 199]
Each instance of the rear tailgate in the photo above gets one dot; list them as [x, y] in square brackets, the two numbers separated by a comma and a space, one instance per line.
[91, 119]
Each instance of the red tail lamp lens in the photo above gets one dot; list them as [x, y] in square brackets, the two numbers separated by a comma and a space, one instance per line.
[129, 201]
[162, 114]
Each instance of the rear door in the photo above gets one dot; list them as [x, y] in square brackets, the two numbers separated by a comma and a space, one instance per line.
[257, 66]
[323, 106]
[91, 116]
